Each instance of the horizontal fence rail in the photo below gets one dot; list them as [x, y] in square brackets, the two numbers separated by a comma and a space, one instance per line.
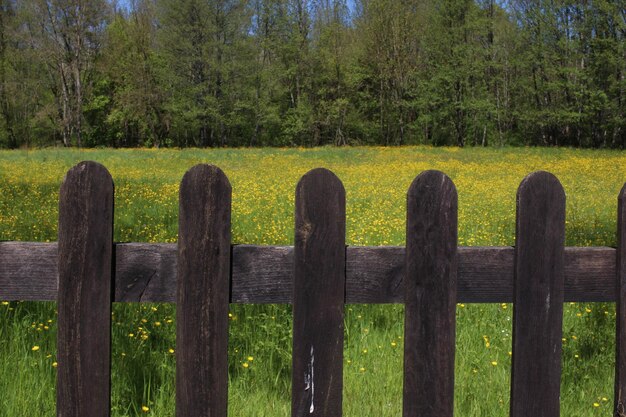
[86, 271]
[146, 272]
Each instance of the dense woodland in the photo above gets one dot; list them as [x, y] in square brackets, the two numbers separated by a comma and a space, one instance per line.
[312, 72]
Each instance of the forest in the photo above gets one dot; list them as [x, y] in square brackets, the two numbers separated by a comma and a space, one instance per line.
[215, 73]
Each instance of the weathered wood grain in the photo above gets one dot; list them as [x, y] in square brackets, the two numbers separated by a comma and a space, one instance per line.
[202, 296]
[318, 295]
[620, 338]
[146, 272]
[84, 296]
[538, 297]
[256, 266]
[430, 297]
[29, 271]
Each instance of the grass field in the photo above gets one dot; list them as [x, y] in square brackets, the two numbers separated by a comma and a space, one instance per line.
[263, 181]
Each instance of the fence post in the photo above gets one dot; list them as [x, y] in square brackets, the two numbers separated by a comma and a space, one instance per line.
[84, 294]
[620, 339]
[203, 293]
[538, 297]
[319, 294]
[430, 296]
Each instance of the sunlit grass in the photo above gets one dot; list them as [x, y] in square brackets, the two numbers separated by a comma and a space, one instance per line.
[263, 181]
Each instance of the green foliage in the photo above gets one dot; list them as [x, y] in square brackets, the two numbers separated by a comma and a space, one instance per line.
[213, 73]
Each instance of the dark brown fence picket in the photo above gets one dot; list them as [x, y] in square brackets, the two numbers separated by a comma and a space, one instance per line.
[538, 297]
[202, 299]
[84, 295]
[430, 296]
[620, 309]
[319, 295]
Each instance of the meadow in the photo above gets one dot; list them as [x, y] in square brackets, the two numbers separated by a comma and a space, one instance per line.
[263, 182]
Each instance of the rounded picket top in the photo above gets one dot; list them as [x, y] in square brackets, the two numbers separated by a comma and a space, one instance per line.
[85, 194]
[320, 196]
[540, 186]
[83, 176]
[204, 205]
[318, 179]
[432, 183]
[204, 176]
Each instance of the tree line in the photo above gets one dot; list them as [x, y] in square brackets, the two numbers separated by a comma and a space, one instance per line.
[312, 72]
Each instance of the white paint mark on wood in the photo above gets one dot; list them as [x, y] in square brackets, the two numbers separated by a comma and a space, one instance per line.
[309, 380]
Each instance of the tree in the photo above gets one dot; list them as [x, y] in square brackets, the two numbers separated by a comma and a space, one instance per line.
[388, 58]
[329, 89]
[132, 97]
[7, 15]
[67, 35]
[198, 43]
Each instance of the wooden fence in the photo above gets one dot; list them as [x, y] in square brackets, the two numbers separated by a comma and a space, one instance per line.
[86, 271]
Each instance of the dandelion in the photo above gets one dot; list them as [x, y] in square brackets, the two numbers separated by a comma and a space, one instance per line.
[362, 369]
[246, 365]
[35, 348]
[596, 405]
[54, 364]
[145, 408]
[170, 350]
[250, 358]
[394, 344]
[494, 363]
